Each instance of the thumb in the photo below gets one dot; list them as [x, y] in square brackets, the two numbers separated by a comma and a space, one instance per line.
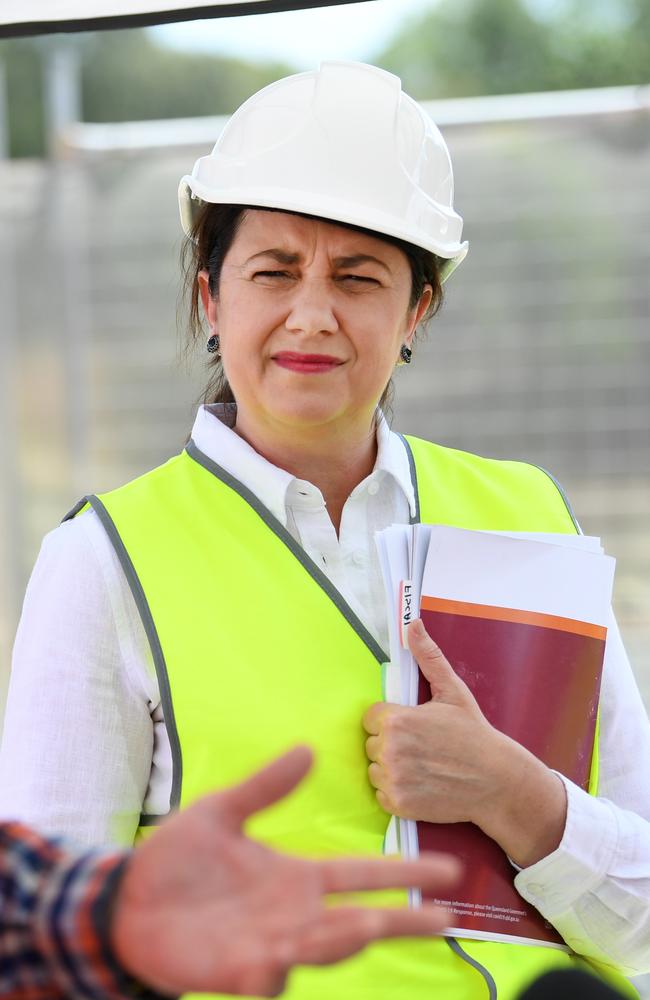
[446, 685]
[266, 786]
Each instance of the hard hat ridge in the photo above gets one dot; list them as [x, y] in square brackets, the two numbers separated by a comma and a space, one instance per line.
[343, 143]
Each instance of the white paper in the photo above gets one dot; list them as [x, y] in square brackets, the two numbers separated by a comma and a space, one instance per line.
[494, 569]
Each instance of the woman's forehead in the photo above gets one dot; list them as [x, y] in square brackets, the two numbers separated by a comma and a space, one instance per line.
[260, 230]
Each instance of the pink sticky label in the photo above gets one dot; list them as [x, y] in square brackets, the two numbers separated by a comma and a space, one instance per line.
[405, 609]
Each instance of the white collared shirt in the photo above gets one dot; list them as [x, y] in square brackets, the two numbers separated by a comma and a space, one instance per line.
[350, 559]
[85, 743]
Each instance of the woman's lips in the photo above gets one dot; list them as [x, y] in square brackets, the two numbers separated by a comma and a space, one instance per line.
[306, 363]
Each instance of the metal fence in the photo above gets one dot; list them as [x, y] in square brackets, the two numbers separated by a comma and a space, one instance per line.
[541, 352]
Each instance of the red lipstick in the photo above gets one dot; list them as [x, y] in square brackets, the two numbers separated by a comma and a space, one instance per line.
[308, 364]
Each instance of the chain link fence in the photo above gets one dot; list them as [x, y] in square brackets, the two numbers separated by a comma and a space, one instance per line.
[541, 351]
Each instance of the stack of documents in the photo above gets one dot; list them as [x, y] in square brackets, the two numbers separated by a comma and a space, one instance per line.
[522, 618]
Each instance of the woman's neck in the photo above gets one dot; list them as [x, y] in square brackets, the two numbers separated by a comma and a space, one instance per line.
[332, 462]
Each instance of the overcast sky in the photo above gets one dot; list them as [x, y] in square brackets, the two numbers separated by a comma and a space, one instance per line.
[301, 38]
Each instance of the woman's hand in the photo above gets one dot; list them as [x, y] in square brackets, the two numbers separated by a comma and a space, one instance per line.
[443, 762]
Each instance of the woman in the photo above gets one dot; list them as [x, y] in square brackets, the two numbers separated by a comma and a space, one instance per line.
[205, 616]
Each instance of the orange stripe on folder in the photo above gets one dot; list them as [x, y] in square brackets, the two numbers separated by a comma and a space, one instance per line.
[513, 615]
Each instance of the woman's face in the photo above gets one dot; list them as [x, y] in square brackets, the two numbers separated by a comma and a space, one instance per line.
[311, 317]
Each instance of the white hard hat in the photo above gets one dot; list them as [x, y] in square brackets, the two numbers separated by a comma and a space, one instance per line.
[343, 143]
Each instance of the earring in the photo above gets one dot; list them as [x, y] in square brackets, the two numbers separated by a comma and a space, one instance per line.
[405, 354]
[213, 344]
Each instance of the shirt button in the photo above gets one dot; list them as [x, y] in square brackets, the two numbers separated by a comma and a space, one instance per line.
[359, 558]
[373, 488]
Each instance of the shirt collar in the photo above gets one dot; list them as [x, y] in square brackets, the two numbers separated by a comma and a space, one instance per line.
[213, 435]
[393, 458]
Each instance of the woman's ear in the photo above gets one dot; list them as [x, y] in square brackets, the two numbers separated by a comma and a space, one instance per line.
[209, 304]
[418, 313]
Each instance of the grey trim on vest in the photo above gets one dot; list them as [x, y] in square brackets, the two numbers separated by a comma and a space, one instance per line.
[281, 532]
[150, 819]
[560, 489]
[558, 486]
[80, 504]
[154, 642]
[415, 519]
[452, 942]
[482, 971]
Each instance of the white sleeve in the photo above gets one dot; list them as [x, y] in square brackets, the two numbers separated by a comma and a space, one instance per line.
[78, 735]
[595, 888]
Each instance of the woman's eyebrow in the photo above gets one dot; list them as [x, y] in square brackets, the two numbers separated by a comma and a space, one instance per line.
[281, 256]
[360, 258]
[285, 257]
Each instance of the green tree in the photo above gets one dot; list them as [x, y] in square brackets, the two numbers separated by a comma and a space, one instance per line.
[21, 62]
[125, 75]
[460, 48]
[604, 44]
[472, 47]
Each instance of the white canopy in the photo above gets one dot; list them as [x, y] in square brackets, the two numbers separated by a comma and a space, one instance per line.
[38, 17]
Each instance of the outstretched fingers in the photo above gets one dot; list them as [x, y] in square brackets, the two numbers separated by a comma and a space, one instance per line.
[265, 787]
[343, 931]
[429, 873]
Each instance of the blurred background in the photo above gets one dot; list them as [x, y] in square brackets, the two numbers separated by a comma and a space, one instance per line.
[541, 352]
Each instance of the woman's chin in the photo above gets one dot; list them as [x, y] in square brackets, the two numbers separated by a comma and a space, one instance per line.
[303, 417]
[302, 409]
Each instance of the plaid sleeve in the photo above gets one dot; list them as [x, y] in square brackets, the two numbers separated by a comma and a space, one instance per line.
[54, 907]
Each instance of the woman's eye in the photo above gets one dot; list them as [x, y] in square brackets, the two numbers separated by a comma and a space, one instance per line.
[358, 279]
[273, 275]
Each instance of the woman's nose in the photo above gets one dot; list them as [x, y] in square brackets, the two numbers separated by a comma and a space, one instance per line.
[312, 309]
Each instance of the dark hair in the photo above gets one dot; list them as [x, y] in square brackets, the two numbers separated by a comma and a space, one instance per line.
[212, 236]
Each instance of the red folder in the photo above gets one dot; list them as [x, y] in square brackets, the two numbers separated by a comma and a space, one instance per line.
[536, 678]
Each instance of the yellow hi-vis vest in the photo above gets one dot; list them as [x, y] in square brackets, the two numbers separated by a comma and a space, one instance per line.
[256, 651]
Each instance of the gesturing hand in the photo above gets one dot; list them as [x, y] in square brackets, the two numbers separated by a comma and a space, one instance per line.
[443, 762]
[203, 908]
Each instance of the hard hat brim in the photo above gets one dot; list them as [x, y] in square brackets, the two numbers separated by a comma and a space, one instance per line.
[192, 195]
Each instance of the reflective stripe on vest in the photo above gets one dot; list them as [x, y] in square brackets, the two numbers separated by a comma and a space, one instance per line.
[256, 651]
